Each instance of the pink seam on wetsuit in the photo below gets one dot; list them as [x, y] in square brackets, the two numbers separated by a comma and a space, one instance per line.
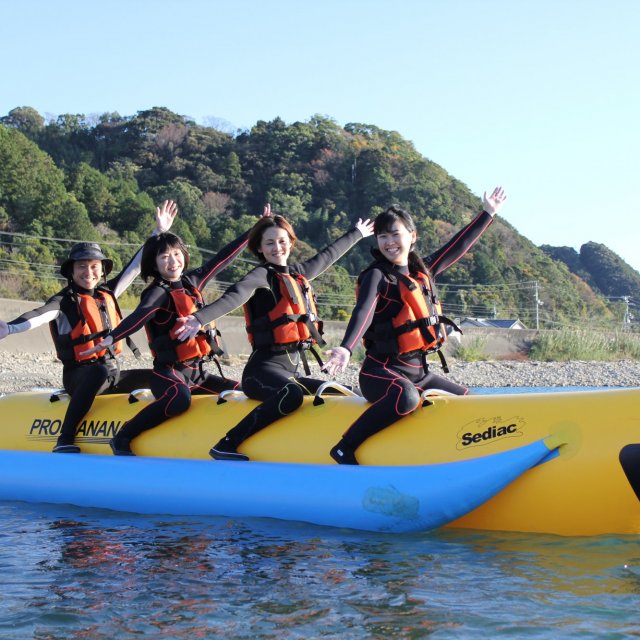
[174, 386]
[364, 324]
[230, 257]
[432, 266]
[393, 382]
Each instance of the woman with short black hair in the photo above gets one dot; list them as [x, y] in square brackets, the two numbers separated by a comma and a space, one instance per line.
[178, 366]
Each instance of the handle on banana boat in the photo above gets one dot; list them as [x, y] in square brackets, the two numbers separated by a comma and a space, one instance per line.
[140, 394]
[331, 384]
[57, 395]
[433, 393]
[229, 393]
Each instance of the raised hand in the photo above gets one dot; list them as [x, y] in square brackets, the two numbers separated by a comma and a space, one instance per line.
[365, 228]
[338, 360]
[266, 212]
[165, 215]
[493, 202]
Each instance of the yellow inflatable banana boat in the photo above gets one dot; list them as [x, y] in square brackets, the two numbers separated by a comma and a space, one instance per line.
[566, 463]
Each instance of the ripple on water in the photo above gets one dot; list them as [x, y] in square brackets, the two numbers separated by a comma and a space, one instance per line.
[77, 573]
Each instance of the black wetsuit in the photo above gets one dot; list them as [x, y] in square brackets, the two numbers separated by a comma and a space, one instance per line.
[83, 381]
[394, 383]
[173, 383]
[271, 374]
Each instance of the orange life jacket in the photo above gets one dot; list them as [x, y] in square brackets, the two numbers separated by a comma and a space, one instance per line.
[293, 321]
[167, 349]
[418, 325]
[97, 315]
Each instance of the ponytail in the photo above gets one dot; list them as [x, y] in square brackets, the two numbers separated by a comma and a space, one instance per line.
[416, 264]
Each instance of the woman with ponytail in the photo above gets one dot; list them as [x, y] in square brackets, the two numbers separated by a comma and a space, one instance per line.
[398, 316]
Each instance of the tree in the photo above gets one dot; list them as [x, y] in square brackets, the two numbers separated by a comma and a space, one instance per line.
[31, 186]
[71, 220]
[92, 188]
[68, 140]
[26, 119]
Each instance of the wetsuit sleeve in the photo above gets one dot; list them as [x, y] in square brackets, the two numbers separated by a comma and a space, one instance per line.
[453, 250]
[222, 259]
[153, 300]
[235, 296]
[36, 317]
[362, 315]
[313, 267]
[120, 283]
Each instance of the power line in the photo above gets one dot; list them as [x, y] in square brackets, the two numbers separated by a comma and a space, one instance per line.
[327, 282]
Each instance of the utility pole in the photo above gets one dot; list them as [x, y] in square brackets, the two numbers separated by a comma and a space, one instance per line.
[627, 317]
[626, 321]
[538, 304]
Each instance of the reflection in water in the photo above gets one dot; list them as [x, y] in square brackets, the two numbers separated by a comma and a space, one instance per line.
[72, 573]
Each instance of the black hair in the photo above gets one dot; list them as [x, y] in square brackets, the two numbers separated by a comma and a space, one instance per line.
[385, 221]
[156, 245]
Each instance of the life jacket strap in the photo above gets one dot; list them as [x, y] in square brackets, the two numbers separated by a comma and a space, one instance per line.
[69, 342]
[305, 363]
[316, 332]
[165, 351]
[129, 341]
[133, 347]
[262, 329]
[212, 339]
[213, 358]
[291, 291]
[443, 361]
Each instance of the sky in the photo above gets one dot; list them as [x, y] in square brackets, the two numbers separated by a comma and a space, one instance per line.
[539, 96]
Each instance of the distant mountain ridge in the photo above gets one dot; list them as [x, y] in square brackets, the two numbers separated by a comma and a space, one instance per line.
[600, 267]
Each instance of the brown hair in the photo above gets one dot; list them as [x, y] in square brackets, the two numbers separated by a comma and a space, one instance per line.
[267, 222]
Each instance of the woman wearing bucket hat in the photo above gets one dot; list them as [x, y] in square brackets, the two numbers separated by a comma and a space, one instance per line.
[78, 315]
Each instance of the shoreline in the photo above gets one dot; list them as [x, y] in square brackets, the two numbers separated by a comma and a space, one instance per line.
[23, 371]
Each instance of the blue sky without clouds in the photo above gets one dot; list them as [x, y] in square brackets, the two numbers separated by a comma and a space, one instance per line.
[540, 96]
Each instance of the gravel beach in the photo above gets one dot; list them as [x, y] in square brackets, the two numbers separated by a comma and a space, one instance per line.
[21, 371]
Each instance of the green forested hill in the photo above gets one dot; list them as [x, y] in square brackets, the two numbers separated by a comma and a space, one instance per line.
[100, 177]
[605, 271]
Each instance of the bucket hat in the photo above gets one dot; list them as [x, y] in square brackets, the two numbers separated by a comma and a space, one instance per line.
[85, 251]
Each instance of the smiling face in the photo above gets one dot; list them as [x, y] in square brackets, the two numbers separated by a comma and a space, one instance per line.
[275, 245]
[87, 273]
[170, 264]
[395, 242]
